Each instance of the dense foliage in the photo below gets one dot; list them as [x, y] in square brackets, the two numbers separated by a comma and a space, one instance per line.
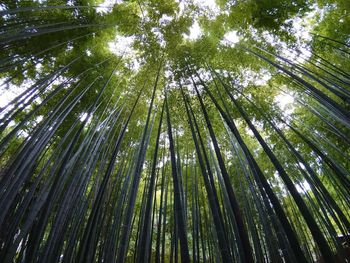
[174, 131]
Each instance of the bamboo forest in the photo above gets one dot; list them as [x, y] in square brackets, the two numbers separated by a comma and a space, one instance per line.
[174, 131]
